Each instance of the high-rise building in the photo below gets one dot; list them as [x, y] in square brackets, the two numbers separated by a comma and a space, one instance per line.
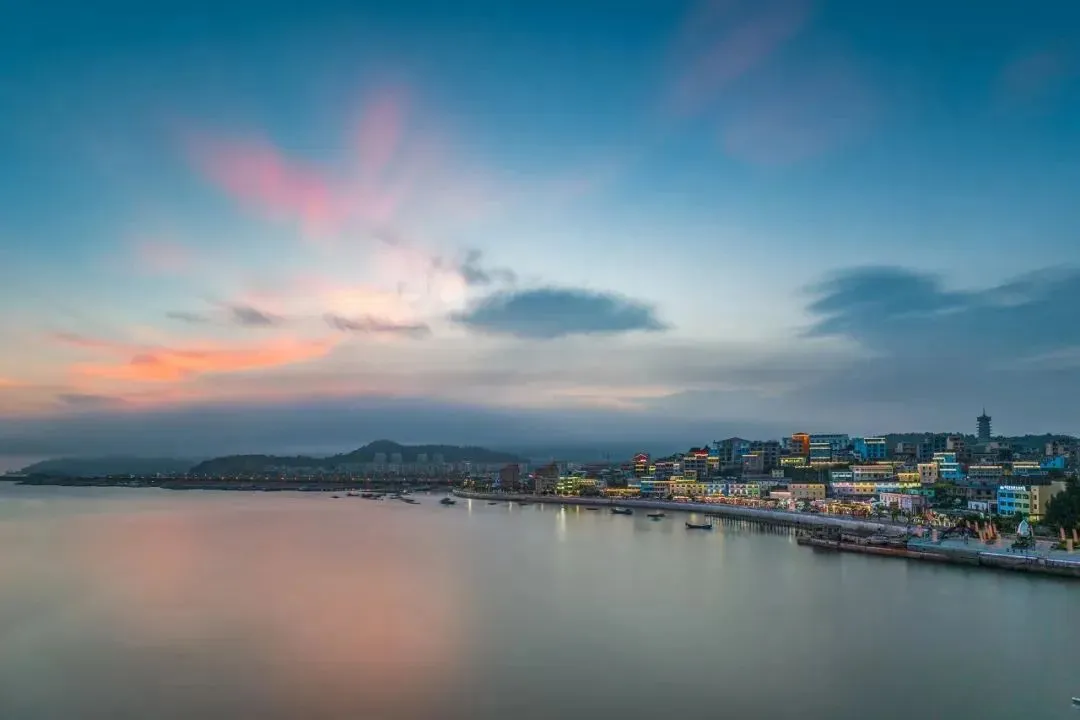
[984, 427]
[510, 477]
[641, 464]
[800, 444]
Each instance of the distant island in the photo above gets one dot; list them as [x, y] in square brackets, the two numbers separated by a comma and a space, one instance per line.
[380, 452]
[104, 466]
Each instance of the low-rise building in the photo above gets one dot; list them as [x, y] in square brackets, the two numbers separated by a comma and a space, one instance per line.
[903, 501]
[985, 472]
[807, 491]
[1030, 501]
[928, 473]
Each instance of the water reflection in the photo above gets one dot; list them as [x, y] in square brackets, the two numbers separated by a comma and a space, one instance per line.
[176, 605]
[292, 608]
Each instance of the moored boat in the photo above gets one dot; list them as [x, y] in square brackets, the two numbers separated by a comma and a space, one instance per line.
[656, 515]
[448, 501]
[698, 526]
[622, 511]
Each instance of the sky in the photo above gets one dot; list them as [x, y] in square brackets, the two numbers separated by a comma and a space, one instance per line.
[248, 227]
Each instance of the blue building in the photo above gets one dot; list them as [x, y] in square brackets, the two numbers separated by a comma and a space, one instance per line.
[1053, 463]
[949, 469]
[870, 449]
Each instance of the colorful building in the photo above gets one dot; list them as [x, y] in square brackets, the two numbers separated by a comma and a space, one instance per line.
[870, 449]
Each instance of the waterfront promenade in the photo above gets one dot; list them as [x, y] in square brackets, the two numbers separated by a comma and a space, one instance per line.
[766, 517]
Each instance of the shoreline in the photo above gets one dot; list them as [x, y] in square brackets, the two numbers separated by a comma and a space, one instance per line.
[766, 517]
[974, 556]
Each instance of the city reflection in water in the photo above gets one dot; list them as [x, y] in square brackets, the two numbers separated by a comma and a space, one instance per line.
[159, 605]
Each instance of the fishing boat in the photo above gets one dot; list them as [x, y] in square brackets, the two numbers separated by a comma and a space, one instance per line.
[698, 526]
[622, 511]
[448, 501]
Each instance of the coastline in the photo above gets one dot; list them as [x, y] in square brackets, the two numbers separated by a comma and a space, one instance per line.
[766, 517]
[996, 557]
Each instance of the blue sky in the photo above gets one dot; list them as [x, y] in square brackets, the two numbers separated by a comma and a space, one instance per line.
[679, 217]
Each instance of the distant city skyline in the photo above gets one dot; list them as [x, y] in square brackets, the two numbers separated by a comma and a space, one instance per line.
[231, 227]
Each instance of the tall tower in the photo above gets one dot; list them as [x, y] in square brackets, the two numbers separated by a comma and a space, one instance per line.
[984, 427]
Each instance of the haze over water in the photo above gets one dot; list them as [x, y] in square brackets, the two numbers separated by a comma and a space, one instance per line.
[137, 604]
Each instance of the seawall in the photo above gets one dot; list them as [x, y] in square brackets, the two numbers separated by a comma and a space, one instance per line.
[765, 517]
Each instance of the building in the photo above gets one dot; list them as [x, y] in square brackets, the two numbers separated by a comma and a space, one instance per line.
[807, 491]
[985, 472]
[546, 478]
[872, 473]
[641, 464]
[983, 427]
[753, 463]
[696, 463]
[820, 451]
[1041, 496]
[730, 451]
[1030, 501]
[1028, 469]
[837, 443]
[948, 467]
[903, 501]
[871, 448]
[928, 473]
[769, 451]
[800, 444]
[510, 477]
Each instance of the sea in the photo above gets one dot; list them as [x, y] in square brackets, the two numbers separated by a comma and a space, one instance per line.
[146, 603]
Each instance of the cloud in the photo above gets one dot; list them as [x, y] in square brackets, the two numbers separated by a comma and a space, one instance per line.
[475, 274]
[248, 316]
[940, 352]
[546, 313]
[144, 363]
[187, 317]
[375, 326]
[88, 401]
[723, 40]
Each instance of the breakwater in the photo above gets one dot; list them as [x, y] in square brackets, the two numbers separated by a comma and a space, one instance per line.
[996, 557]
[765, 517]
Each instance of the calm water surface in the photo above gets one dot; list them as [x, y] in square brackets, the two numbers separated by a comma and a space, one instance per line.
[150, 604]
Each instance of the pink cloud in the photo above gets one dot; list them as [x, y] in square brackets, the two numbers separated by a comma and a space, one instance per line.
[258, 175]
[144, 363]
[380, 133]
[724, 40]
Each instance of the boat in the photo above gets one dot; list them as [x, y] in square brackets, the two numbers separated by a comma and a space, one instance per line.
[410, 501]
[592, 508]
[335, 496]
[1076, 701]
[656, 515]
[524, 504]
[698, 526]
[622, 511]
[493, 502]
[448, 501]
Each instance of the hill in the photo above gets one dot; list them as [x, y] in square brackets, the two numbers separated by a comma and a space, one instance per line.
[251, 464]
[102, 466]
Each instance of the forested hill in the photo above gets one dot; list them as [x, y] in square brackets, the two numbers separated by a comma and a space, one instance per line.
[247, 464]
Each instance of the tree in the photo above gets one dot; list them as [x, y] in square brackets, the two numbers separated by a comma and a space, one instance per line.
[1064, 508]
